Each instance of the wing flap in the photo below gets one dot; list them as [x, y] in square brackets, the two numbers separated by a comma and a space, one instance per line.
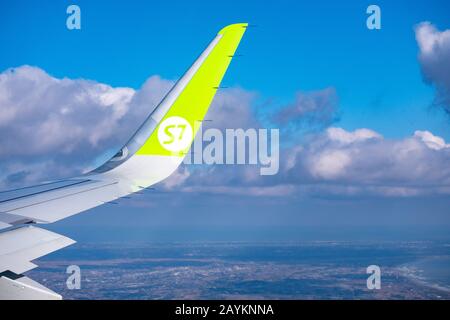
[18, 247]
[25, 288]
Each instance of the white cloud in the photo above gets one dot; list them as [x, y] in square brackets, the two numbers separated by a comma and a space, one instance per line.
[340, 135]
[430, 39]
[46, 114]
[330, 164]
[434, 58]
[53, 127]
[338, 162]
[57, 127]
[363, 158]
[432, 141]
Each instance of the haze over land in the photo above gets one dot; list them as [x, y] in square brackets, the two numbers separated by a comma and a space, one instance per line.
[243, 270]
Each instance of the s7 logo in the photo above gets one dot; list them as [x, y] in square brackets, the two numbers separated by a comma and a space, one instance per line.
[175, 134]
[169, 130]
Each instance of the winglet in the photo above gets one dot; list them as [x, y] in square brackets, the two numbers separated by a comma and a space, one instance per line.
[231, 27]
[185, 105]
[193, 101]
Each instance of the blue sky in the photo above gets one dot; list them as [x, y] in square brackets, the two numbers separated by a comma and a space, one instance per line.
[295, 45]
[292, 47]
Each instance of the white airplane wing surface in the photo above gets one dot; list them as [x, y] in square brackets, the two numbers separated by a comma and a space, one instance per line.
[152, 154]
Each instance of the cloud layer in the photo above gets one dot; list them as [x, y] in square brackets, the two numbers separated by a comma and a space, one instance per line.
[363, 160]
[53, 128]
[434, 58]
[338, 162]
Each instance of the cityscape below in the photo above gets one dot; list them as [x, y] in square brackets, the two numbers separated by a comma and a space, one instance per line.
[245, 270]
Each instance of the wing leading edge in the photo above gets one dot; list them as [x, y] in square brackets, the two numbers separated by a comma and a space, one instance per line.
[145, 160]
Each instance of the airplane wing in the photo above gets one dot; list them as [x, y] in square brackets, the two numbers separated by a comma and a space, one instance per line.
[152, 154]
